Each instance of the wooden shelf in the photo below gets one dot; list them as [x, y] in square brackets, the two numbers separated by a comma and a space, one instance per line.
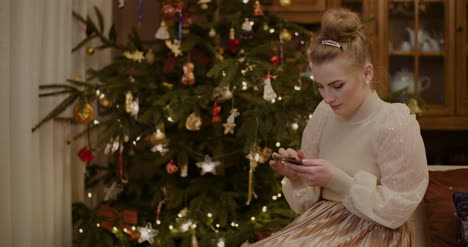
[443, 122]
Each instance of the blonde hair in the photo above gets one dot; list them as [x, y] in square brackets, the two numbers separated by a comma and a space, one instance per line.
[345, 28]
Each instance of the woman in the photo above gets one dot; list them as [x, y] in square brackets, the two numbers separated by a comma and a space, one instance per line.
[364, 169]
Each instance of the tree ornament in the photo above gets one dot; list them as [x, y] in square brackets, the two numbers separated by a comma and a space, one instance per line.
[258, 9]
[285, 35]
[204, 3]
[158, 137]
[215, 112]
[212, 33]
[184, 170]
[285, 3]
[188, 78]
[414, 107]
[193, 122]
[86, 155]
[112, 191]
[208, 166]
[221, 94]
[136, 56]
[121, 4]
[230, 124]
[104, 102]
[168, 11]
[112, 146]
[247, 28]
[268, 92]
[174, 47]
[253, 157]
[131, 106]
[220, 54]
[233, 43]
[274, 59]
[171, 167]
[167, 85]
[90, 50]
[147, 234]
[83, 113]
[162, 32]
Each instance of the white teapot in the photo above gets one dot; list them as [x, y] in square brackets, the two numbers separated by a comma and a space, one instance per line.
[405, 79]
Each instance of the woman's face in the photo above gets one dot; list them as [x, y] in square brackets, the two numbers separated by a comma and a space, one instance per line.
[343, 86]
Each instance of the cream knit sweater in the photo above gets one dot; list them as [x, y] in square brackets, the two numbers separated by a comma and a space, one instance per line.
[380, 171]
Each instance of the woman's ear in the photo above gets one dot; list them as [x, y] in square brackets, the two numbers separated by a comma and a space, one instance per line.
[368, 73]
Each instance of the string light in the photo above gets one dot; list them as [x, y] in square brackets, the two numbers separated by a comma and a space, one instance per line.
[170, 119]
[274, 197]
[217, 225]
[81, 230]
[245, 1]
[179, 215]
[279, 195]
[98, 92]
[252, 218]
[302, 42]
[221, 242]
[98, 225]
[102, 96]
[310, 116]
[251, 23]
[171, 227]
[209, 215]
[264, 209]
[244, 85]
[134, 143]
[96, 122]
[311, 77]
[296, 33]
[294, 126]
[133, 228]
[158, 222]
[114, 229]
[90, 194]
[194, 226]
[138, 138]
[297, 88]
[273, 101]
[224, 73]
[272, 30]
[278, 144]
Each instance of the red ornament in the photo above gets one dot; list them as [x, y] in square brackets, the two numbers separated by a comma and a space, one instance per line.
[85, 154]
[171, 167]
[258, 9]
[233, 43]
[168, 10]
[215, 112]
[275, 59]
[179, 7]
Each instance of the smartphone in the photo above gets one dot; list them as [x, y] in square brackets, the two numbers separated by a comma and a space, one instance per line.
[287, 158]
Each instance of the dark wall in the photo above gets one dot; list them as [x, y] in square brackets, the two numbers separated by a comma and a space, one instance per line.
[446, 147]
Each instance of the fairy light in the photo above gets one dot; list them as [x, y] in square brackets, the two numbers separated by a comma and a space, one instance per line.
[302, 42]
[274, 198]
[98, 92]
[251, 23]
[245, 1]
[114, 229]
[294, 126]
[90, 194]
[185, 226]
[221, 242]
[133, 228]
[81, 230]
[125, 230]
[244, 85]
[296, 33]
[96, 122]
[297, 88]
[272, 30]
[209, 215]
[194, 226]
[158, 222]
[310, 116]
[217, 226]
[102, 96]
[273, 101]
[179, 215]
[264, 209]
[171, 227]
[224, 73]
[279, 195]
[98, 225]
[257, 157]
[170, 119]
[252, 218]
[278, 144]
[280, 98]
[138, 138]
[233, 224]
[134, 143]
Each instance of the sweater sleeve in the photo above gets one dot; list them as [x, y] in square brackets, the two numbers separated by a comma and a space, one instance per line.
[299, 195]
[404, 176]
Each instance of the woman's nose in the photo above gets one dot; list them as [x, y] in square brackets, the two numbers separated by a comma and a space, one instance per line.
[328, 98]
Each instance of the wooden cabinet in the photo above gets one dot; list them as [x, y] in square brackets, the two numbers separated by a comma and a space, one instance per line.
[422, 45]
[303, 11]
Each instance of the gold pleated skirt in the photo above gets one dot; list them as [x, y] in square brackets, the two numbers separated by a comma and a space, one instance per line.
[329, 223]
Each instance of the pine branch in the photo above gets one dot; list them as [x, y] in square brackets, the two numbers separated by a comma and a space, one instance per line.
[55, 93]
[59, 109]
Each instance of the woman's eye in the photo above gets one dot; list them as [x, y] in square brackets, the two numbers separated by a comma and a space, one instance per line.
[339, 86]
[319, 86]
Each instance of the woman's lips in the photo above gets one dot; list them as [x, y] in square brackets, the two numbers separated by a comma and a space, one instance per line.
[335, 106]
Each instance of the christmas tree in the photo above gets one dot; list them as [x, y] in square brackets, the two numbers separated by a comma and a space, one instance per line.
[188, 122]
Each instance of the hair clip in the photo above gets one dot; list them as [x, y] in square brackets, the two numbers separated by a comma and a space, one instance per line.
[331, 43]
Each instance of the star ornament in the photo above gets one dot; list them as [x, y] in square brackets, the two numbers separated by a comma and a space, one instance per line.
[112, 191]
[136, 56]
[147, 234]
[229, 128]
[208, 166]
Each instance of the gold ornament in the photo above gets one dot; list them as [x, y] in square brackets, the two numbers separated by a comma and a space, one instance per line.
[83, 113]
[90, 50]
[158, 137]
[174, 47]
[104, 102]
[167, 85]
[193, 122]
[136, 56]
[285, 3]
[285, 35]
[150, 56]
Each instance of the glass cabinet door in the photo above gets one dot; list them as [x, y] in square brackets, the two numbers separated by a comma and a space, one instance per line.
[417, 52]
[462, 62]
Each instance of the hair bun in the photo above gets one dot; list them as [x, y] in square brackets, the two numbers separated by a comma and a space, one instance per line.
[340, 25]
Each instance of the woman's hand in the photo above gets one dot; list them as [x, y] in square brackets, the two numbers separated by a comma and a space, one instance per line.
[315, 172]
[282, 167]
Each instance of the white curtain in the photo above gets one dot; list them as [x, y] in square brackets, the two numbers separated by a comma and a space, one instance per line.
[37, 169]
